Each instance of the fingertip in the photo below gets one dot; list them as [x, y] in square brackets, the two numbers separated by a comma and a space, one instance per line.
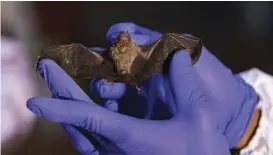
[111, 105]
[112, 90]
[180, 65]
[96, 48]
[43, 66]
[32, 101]
[33, 106]
[124, 26]
[59, 82]
[140, 39]
[181, 58]
[96, 86]
[140, 35]
[108, 90]
[45, 62]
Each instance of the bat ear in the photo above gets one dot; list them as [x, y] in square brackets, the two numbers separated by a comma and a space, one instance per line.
[128, 34]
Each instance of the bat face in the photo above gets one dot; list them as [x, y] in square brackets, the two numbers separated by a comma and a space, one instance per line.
[123, 40]
[124, 53]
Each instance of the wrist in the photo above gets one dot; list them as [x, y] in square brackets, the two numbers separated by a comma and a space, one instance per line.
[244, 116]
[250, 130]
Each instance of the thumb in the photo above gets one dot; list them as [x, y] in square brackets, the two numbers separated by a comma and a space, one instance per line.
[184, 81]
[89, 116]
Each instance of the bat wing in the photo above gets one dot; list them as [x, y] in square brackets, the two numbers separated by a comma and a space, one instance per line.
[80, 63]
[94, 64]
[155, 57]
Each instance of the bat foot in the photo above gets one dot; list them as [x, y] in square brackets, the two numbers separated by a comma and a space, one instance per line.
[139, 89]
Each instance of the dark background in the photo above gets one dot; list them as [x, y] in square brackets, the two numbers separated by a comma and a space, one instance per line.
[238, 33]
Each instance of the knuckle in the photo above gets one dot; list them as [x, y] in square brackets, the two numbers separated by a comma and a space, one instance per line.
[195, 94]
[134, 136]
[92, 122]
[84, 149]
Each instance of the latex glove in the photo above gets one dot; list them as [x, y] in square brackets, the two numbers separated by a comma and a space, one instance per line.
[236, 100]
[193, 130]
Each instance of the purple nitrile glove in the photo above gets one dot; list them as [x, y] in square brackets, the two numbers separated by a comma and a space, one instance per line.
[236, 100]
[193, 129]
[84, 141]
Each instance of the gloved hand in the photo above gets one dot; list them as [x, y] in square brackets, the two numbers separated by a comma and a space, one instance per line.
[235, 101]
[193, 129]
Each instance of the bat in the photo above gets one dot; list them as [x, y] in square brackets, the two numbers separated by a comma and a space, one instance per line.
[123, 62]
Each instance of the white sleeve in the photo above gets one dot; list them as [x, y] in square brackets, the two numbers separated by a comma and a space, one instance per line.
[262, 141]
[261, 82]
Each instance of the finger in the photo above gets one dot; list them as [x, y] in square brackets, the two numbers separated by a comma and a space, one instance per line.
[140, 35]
[129, 27]
[86, 143]
[79, 141]
[164, 92]
[111, 105]
[140, 39]
[185, 83]
[62, 86]
[59, 83]
[108, 90]
[98, 48]
[85, 115]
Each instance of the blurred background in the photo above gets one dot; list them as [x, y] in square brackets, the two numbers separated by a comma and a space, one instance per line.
[240, 34]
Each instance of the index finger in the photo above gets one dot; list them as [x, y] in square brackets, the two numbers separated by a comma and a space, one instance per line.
[60, 83]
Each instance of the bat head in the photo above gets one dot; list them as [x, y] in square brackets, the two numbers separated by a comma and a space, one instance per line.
[123, 39]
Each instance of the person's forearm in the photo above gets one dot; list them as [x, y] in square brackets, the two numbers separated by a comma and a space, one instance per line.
[250, 130]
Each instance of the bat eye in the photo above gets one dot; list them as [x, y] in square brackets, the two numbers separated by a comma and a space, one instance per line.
[124, 40]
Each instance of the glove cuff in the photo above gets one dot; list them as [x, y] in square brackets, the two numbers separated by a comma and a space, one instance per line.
[240, 120]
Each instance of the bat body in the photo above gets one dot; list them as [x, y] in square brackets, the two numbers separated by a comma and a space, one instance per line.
[124, 61]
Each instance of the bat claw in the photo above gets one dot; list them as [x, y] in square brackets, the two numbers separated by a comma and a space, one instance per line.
[139, 89]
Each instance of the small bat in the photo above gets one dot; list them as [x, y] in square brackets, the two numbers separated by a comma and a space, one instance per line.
[123, 62]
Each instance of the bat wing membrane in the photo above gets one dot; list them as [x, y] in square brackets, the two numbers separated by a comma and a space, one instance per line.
[94, 64]
[158, 54]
